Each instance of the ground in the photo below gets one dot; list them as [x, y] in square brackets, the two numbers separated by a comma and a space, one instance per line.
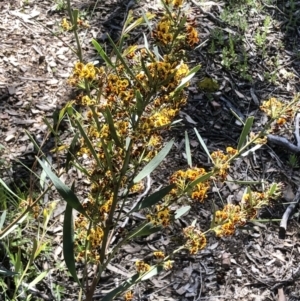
[251, 49]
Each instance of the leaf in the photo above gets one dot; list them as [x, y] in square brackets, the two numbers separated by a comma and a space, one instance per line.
[2, 218]
[88, 142]
[37, 279]
[181, 211]
[68, 242]
[200, 180]
[154, 162]
[71, 150]
[122, 288]
[153, 198]
[186, 79]
[139, 21]
[153, 272]
[188, 150]
[7, 188]
[203, 144]
[145, 231]
[110, 121]
[66, 193]
[102, 53]
[6, 273]
[245, 132]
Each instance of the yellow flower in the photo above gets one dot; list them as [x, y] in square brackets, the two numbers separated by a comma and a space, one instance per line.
[177, 3]
[128, 296]
[168, 265]
[159, 254]
[66, 25]
[141, 266]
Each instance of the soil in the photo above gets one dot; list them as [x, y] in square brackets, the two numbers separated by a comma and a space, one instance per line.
[35, 63]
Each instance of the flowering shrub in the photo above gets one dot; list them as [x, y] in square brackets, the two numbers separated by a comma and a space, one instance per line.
[128, 103]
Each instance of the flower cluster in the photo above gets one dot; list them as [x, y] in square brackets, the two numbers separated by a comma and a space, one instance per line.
[221, 161]
[161, 216]
[226, 220]
[181, 179]
[170, 28]
[141, 266]
[196, 239]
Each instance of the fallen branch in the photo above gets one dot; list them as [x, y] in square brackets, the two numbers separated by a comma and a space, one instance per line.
[288, 213]
[284, 142]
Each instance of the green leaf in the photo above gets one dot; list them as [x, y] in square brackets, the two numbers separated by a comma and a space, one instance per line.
[71, 150]
[68, 242]
[181, 211]
[6, 273]
[138, 22]
[66, 193]
[203, 144]
[37, 279]
[110, 121]
[245, 132]
[122, 288]
[153, 272]
[154, 162]
[120, 57]
[188, 149]
[200, 180]
[145, 231]
[186, 79]
[88, 143]
[102, 53]
[153, 198]
[139, 103]
[7, 188]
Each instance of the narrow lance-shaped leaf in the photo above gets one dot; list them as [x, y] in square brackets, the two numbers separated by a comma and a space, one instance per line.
[153, 272]
[110, 121]
[88, 143]
[245, 132]
[203, 144]
[145, 231]
[188, 150]
[154, 162]
[153, 198]
[71, 150]
[186, 79]
[102, 53]
[181, 211]
[122, 288]
[199, 180]
[68, 242]
[66, 193]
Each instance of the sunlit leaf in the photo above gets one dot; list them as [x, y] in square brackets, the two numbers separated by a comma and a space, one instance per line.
[203, 144]
[154, 162]
[122, 288]
[153, 198]
[153, 272]
[181, 211]
[245, 132]
[188, 150]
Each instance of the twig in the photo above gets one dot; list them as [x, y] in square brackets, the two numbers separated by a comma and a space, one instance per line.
[297, 131]
[284, 142]
[288, 213]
